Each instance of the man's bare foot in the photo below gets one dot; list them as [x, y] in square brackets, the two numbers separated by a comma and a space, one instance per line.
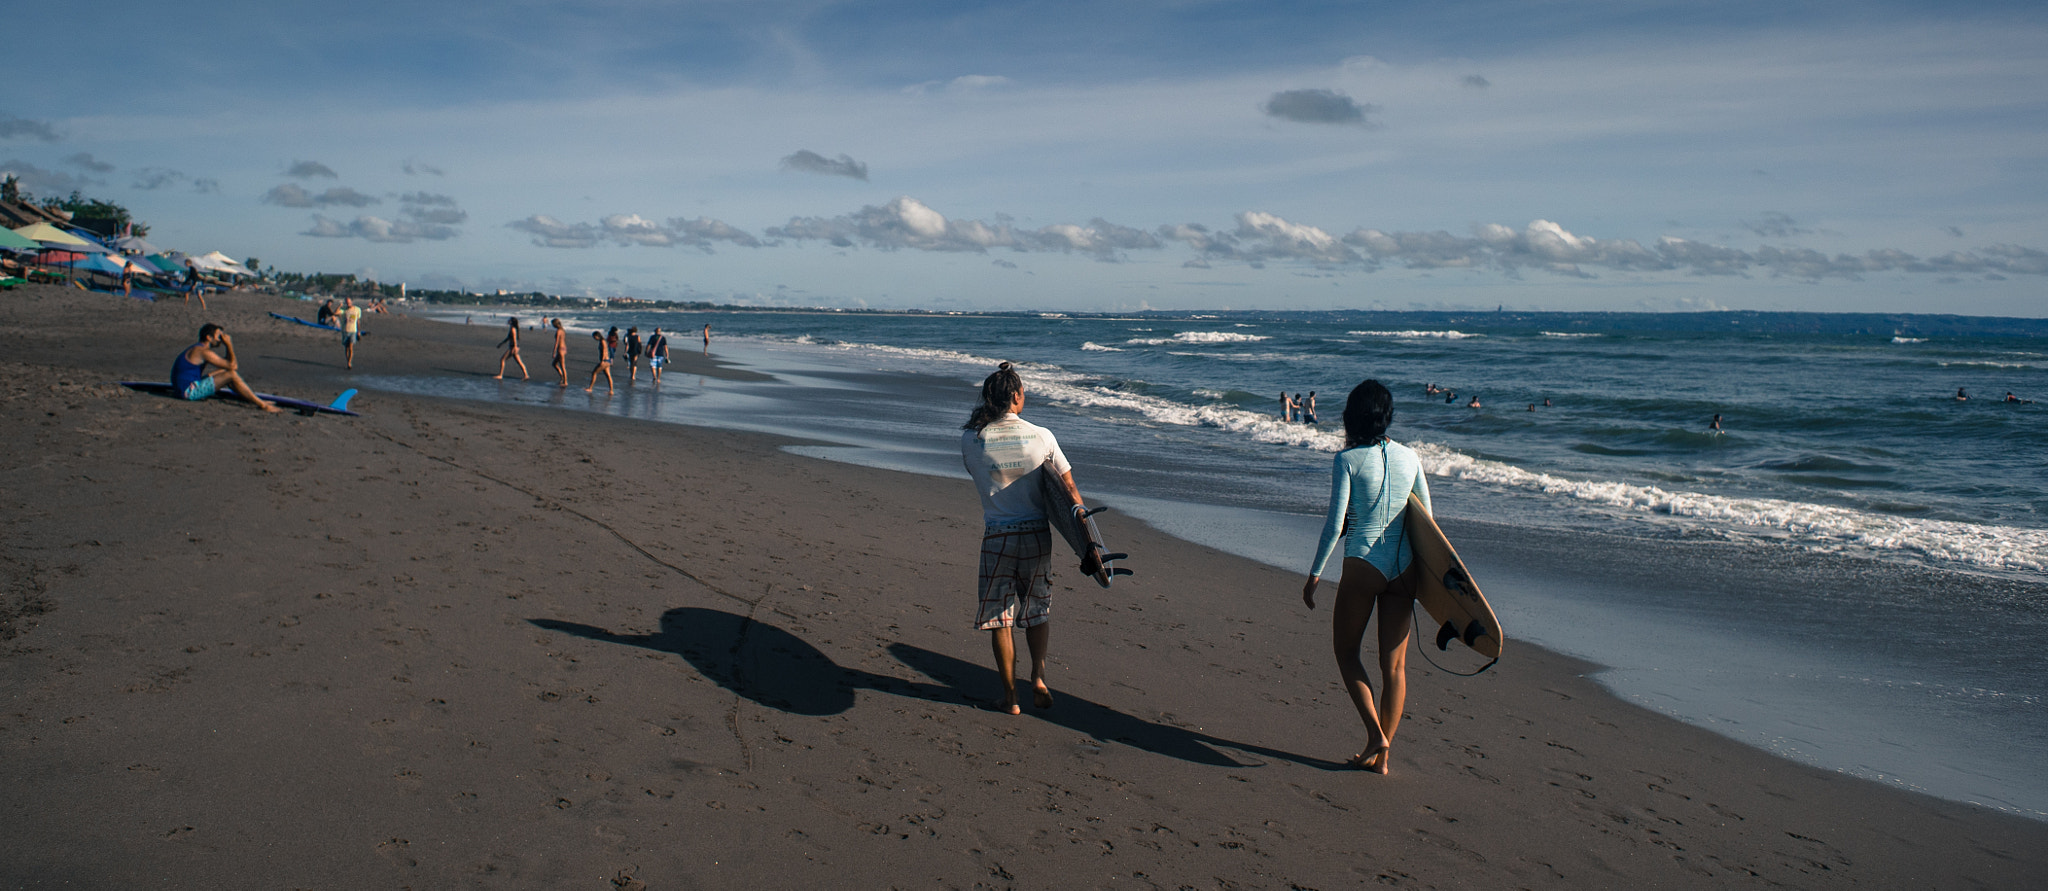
[267, 406]
[1041, 695]
[497, 377]
[589, 389]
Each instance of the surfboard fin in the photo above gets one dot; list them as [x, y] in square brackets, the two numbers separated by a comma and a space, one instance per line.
[1118, 570]
[1092, 512]
[1112, 558]
[1445, 635]
[340, 403]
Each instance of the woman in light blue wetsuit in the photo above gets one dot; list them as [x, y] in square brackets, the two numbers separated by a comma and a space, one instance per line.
[1369, 489]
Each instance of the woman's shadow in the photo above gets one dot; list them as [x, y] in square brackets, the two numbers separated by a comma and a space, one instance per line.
[774, 668]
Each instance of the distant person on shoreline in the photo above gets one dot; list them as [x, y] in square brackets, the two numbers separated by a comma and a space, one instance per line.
[632, 355]
[1006, 456]
[194, 287]
[1308, 412]
[191, 379]
[611, 342]
[707, 338]
[562, 352]
[1286, 408]
[351, 328]
[1369, 487]
[657, 355]
[511, 345]
[604, 364]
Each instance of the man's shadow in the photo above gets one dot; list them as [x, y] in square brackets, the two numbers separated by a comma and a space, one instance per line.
[774, 668]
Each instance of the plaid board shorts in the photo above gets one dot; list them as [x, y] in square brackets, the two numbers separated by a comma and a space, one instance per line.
[1016, 583]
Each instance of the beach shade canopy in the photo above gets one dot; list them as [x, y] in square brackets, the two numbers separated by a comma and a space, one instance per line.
[100, 263]
[219, 262]
[14, 241]
[51, 235]
[134, 245]
[163, 262]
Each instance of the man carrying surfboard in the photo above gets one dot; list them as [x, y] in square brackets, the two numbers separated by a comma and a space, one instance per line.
[1369, 487]
[1006, 455]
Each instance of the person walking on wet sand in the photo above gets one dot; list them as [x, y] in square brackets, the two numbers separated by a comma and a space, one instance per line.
[707, 338]
[1369, 486]
[215, 349]
[511, 345]
[562, 351]
[632, 355]
[1006, 455]
[604, 364]
[351, 322]
[657, 355]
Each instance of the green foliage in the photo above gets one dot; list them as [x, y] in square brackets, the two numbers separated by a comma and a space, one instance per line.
[10, 190]
[104, 217]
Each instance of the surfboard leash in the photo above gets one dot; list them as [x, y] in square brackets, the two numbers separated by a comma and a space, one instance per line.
[1417, 620]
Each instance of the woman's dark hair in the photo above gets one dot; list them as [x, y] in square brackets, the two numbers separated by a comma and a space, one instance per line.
[512, 321]
[998, 392]
[1368, 412]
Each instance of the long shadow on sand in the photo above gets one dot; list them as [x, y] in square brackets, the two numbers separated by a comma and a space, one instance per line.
[774, 668]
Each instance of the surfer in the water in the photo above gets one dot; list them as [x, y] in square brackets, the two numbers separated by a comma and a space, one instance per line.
[511, 345]
[1005, 454]
[1369, 490]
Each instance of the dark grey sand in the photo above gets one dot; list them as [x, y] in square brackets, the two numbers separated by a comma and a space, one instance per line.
[450, 645]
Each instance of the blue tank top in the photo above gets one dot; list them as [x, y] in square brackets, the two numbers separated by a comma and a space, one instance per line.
[185, 371]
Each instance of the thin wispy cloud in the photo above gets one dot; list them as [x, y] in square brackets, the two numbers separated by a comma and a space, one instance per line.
[628, 229]
[310, 169]
[414, 167]
[1317, 107]
[907, 224]
[85, 161]
[12, 127]
[150, 179]
[43, 181]
[811, 162]
[289, 195]
[1475, 81]
[377, 229]
[1775, 225]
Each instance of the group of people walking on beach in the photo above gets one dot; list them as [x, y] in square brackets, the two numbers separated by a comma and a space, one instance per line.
[609, 345]
[1370, 482]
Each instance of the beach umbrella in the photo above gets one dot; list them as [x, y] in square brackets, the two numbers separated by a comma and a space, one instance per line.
[51, 235]
[133, 244]
[220, 262]
[100, 263]
[164, 263]
[11, 240]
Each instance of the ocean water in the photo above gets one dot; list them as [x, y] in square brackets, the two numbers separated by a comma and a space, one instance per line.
[1853, 572]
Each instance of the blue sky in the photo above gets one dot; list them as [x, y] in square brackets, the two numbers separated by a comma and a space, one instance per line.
[1102, 155]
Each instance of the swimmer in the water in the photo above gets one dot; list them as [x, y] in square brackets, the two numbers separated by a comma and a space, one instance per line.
[1715, 424]
[1532, 406]
[1546, 402]
[1450, 396]
[1962, 396]
[1474, 403]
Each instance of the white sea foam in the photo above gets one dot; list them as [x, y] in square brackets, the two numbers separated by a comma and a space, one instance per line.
[1985, 364]
[1093, 347]
[1570, 334]
[1813, 525]
[1199, 337]
[1810, 525]
[1909, 340]
[1446, 335]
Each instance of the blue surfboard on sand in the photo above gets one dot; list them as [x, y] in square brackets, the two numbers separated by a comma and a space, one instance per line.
[286, 318]
[338, 407]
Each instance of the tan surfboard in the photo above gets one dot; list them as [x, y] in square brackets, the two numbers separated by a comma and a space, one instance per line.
[1446, 590]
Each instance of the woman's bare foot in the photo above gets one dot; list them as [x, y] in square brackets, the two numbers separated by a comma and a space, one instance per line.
[1041, 695]
[1374, 759]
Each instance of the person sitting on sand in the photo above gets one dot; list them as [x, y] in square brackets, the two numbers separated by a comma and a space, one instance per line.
[1006, 455]
[326, 314]
[215, 349]
[511, 345]
[604, 364]
[1377, 474]
[657, 355]
[562, 352]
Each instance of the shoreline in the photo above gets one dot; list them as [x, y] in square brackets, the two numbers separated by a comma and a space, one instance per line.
[553, 648]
